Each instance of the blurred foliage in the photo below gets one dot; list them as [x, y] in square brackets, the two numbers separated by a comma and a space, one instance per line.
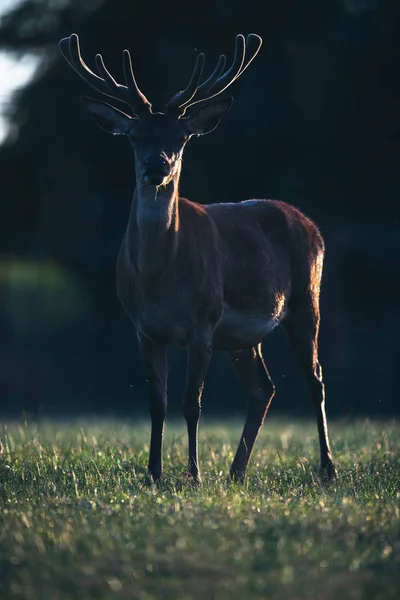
[316, 122]
[39, 298]
[31, 25]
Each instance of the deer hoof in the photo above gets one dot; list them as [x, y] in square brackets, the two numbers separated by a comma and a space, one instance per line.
[328, 473]
[192, 480]
[152, 479]
[235, 477]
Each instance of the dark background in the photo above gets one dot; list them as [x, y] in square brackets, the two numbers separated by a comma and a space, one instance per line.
[316, 122]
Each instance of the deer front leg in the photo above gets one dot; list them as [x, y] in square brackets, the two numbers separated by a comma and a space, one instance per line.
[198, 360]
[155, 362]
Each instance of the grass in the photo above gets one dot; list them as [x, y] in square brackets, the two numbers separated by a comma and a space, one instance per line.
[78, 521]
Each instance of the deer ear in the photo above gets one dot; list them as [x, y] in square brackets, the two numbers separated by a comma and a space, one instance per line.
[207, 118]
[109, 118]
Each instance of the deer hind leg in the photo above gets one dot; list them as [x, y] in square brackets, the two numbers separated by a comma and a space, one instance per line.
[301, 326]
[155, 362]
[251, 370]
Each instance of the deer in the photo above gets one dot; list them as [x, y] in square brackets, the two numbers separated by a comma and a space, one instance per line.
[207, 276]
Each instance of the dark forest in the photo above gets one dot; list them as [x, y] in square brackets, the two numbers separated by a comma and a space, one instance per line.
[316, 123]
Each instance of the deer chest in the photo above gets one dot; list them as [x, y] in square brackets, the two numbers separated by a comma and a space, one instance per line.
[169, 316]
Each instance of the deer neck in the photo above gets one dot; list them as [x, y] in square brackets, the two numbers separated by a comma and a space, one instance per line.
[153, 226]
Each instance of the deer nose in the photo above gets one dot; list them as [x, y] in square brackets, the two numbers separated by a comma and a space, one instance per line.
[156, 169]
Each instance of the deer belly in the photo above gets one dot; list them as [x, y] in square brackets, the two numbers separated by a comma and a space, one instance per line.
[238, 330]
[163, 327]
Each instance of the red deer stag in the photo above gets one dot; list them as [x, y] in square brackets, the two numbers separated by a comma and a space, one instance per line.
[217, 276]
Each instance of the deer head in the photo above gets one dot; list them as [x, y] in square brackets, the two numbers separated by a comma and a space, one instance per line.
[158, 139]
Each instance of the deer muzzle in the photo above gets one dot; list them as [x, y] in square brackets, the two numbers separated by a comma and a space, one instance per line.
[156, 170]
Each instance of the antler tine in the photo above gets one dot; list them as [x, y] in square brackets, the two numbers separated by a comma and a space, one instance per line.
[245, 52]
[216, 79]
[187, 94]
[252, 40]
[139, 100]
[70, 50]
[106, 85]
[229, 76]
[208, 83]
[178, 100]
[115, 90]
[250, 53]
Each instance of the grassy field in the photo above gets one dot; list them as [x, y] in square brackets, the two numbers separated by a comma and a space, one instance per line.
[78, 521]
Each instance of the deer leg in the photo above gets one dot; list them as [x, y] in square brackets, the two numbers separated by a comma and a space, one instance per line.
[155, 362]
[301, 326]
[250, 368]
[198, 359]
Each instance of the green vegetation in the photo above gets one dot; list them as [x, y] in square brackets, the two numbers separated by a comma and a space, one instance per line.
[79, 522]
[40, 296]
